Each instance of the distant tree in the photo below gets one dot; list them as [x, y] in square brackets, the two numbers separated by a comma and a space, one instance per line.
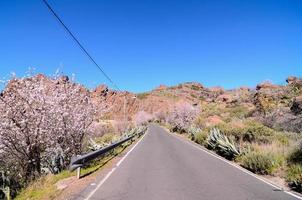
[160, 116]
[182, 116]
[120, 125]
[142, 118]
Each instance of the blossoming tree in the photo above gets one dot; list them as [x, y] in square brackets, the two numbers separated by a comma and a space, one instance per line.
[43, 123]
[182, 116]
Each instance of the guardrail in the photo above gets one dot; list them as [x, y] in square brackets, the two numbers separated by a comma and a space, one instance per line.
[79, 161]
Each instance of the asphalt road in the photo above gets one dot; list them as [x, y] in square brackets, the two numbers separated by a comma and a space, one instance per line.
[163, 167]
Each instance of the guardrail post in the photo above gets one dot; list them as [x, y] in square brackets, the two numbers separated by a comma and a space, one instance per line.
[78, 172]
[8, 193]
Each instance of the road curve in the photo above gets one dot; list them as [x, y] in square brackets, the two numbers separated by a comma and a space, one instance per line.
[162, 167]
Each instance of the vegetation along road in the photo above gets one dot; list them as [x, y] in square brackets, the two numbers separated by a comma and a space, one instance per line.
[163, 166]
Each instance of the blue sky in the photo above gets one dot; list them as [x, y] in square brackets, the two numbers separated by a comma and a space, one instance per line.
[142, 44]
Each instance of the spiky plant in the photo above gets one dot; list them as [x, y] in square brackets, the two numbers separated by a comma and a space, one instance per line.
[6, 192]
[94, 146]
[5, 185]
[142, 129]
[222, 144]
[54, 160]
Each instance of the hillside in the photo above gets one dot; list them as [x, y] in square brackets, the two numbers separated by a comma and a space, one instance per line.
[264, 101]
[277, 105]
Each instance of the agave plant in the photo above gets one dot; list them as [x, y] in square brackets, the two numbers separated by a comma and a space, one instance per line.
[94, 146]
[135, 131]
[6, 191]
[4, 185]
[222, 144]
[129, 132]
[53, 160]
[141, 129]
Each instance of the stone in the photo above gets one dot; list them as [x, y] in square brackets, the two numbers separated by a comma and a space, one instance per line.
[296, 107]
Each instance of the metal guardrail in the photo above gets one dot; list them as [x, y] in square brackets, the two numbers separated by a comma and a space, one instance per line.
[79, 161]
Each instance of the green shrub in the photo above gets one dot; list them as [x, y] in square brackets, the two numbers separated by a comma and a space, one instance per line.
[282, 138]
[142, 95]
[107, 138]
[237, 111]
[194, 87]
[193, 95]
[295, 156]
[294, 177]
[200, 138]
[193, 131]
[251, 132]
[210, 109]
[261, 162]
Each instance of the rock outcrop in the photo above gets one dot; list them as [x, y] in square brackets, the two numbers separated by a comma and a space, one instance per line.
[296, 107]
[294, 81]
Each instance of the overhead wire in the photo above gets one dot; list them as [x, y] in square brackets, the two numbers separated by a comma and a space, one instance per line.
[80, 45]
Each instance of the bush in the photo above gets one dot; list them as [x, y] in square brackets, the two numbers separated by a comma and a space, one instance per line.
[142, 95]
[251, 132]
[197, 135]
[210, 109]
[107, 138]
[200, 138]
[282, 138]
[294, 177]
[193, 131]
[261, 162]
[194, 87]
[237, 111]
[296, 156]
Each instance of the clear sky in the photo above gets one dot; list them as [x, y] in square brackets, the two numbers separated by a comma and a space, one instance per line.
[142, 44]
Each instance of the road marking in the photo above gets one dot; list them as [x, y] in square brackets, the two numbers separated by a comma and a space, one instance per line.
[199, 147]
[113, 169]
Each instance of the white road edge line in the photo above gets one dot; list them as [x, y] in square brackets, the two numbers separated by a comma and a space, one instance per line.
[113, 169]
[238, 167]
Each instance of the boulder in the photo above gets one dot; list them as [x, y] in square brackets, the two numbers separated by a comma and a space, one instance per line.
[296, 107]
[217, 89]
[64, 79]
[101, 90]
[266, 85]
[224, 98]
[292, 80]
[60, 80]
[161, 87]
[244, 88]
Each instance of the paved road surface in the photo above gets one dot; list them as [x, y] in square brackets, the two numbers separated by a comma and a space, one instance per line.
[163, 167]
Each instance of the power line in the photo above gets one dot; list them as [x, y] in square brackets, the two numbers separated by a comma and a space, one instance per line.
[79, 44]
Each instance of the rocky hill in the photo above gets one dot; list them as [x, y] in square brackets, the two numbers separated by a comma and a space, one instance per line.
[263, 101]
